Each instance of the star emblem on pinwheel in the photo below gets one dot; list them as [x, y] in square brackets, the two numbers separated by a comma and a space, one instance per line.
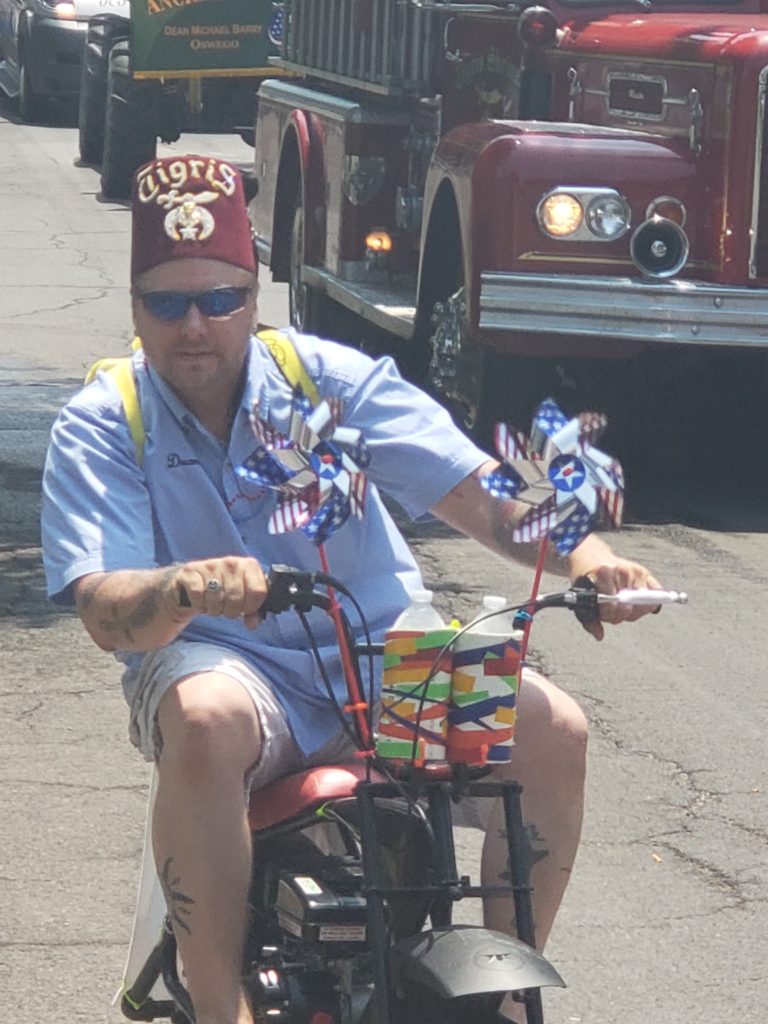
[316, 470]
[569, 485]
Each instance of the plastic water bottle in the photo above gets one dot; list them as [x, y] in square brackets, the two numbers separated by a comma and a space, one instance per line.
[500, 625]
[414, 715]
[420, 615]
[484, 685]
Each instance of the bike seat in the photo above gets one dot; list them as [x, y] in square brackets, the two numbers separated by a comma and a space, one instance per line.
[296, 797]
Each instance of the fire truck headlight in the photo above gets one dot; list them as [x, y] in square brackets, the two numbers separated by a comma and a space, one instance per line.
[560, 214]
[608, 217]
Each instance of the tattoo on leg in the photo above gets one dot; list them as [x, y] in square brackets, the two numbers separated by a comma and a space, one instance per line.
[178, 903]
[533, 846]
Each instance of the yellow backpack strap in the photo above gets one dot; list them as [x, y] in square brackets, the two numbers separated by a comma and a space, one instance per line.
[120, 370]
[288, 362]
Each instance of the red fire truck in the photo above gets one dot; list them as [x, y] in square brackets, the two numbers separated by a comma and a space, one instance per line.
[505, 191]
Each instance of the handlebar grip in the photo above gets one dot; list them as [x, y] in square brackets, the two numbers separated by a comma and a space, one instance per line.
[644, 596]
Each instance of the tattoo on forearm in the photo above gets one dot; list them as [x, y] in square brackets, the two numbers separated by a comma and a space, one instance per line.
[138, 617]
[178, 903]
[124, 622]
[534, 849]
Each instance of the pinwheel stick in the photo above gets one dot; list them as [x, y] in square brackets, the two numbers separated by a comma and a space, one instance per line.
[357, 704]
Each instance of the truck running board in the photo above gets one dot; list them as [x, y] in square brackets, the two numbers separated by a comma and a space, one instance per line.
[391, 308]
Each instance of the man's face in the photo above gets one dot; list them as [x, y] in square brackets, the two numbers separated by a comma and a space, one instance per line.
[201, 357]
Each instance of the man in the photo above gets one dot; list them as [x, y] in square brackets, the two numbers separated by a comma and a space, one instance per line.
[164, 556]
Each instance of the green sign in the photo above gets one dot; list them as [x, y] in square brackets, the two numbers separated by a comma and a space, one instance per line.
[202, 37]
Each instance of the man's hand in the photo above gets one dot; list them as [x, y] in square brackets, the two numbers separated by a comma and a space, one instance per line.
[145, 609]
[619, 574]
[233, 587]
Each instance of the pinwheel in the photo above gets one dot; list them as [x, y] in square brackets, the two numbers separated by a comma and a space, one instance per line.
[316, 470]
[569, 486]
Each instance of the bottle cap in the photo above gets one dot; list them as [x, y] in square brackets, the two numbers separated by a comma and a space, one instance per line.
[494, 603]
[422, 596]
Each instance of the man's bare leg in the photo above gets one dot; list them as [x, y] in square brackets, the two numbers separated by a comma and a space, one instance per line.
[210, 739]
[549, 761]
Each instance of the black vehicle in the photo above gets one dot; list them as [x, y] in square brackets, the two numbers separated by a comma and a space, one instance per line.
[41, 49]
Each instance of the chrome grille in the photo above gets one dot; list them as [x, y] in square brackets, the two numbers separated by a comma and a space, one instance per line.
[380, 45]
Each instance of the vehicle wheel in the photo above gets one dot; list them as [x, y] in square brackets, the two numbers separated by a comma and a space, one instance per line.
[303, 299]
[31, 103]
[478, 386]
[103, 32]
[129, 133]
[311, 311]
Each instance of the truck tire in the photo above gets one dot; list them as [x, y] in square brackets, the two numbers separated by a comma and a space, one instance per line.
[103, 33]
[478, 386]
[31, 103]
[129, 132]
[306, 305]
[313, 312]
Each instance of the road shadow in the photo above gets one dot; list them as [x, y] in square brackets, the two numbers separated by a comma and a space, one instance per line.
[22, 590]
[56, 113]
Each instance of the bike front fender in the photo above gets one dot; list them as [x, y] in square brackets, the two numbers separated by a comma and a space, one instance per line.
[464, 960]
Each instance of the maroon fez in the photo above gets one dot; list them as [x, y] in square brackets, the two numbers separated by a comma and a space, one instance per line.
[186, 207]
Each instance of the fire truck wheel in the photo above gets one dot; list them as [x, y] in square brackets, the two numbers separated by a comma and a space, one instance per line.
[103, 32]
[129, 132]
[479, 386]
[305, 303]
[311, 310]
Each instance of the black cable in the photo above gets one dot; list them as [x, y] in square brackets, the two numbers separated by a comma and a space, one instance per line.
[326, 681]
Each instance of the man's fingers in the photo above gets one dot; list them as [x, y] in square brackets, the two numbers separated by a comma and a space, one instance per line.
[230, 587]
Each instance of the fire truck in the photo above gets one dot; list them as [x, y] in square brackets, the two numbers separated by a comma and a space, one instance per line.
[503, 193]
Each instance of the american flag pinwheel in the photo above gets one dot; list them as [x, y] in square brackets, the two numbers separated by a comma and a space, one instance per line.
[569, 486]
[316, 469]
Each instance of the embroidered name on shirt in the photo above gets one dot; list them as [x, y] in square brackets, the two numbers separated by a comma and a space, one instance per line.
[174, 461]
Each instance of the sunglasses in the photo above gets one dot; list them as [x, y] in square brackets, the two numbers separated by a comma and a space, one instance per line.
[218, 302]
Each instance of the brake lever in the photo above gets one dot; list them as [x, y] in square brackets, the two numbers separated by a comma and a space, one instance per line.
[585, 607]
[292, 588]
[288, 588]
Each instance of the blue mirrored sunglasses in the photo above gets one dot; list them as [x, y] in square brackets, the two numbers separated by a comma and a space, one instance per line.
[217, 302]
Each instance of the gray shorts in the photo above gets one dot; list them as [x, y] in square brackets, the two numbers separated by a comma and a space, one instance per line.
[280, 754]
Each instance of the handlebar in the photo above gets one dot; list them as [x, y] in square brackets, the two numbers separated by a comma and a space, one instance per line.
[294, 588]
[291, 588]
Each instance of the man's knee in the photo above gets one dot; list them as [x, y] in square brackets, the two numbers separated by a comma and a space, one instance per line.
[551, 722]
[207, 720]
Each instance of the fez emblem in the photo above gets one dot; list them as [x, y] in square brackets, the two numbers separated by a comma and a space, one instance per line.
[187, 218]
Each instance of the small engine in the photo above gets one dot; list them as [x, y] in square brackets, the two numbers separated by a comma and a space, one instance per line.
[310, 911]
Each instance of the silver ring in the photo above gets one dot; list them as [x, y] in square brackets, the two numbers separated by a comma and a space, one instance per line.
[213, 586]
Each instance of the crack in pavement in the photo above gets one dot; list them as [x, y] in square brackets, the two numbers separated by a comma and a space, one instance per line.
[101, 294]
[133, 788]
[690, 811]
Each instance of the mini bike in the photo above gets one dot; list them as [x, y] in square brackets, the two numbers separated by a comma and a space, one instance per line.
[355, 878]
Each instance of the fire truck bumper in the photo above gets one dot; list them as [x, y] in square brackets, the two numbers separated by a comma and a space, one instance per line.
[666, 312]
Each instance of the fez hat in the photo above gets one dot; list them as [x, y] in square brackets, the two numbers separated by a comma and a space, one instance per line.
[189, 206]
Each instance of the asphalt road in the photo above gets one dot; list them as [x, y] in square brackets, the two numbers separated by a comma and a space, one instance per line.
[665, 917]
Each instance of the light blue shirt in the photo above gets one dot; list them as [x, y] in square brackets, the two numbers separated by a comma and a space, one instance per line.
[103, 512]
